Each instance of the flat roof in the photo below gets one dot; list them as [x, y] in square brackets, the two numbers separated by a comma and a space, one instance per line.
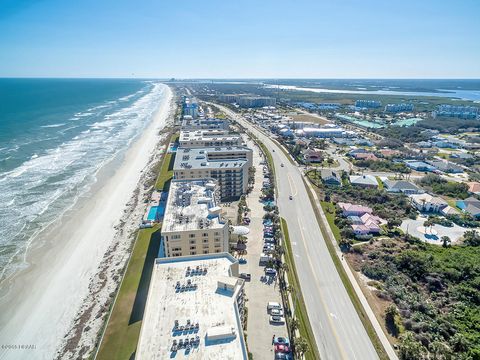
[192, 205]
[207, 135]
[197, 158]
[208, 304]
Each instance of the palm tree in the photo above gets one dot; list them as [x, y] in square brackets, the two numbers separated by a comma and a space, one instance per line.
[293, 325]
[446, 241]
[301, 347]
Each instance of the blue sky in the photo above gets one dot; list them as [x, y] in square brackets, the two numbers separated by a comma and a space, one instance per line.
[249, 38]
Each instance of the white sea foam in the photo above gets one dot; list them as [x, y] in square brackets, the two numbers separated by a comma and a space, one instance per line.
[53, 125]
[35, 193]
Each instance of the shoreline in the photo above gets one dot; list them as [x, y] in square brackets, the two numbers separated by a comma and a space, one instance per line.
[74, 274]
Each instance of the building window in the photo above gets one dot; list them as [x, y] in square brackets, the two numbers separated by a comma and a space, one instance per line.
[217, 239]
[175, 237]
[191, 235]
[205, 251]
[205, 241]
[217, 233]
[193, 241]
[193, 247]
[217, 251]
[193, 253]
[205, 234]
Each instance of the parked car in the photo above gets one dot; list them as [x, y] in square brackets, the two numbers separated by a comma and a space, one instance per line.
[277, 320]
[246, 276]
[281, 340]
[280, 348]
[281, 165]
[283, 356]
[290, 197]
[273, 305]
[276, 312]
[270, 271]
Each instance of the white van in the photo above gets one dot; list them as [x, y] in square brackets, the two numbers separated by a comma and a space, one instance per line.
[273, 305]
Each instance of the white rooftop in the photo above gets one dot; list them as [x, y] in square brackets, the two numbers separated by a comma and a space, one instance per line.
[192, 205]
[208, 135]
[219, 334]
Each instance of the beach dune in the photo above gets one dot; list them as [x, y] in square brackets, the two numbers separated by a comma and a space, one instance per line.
[43, 300]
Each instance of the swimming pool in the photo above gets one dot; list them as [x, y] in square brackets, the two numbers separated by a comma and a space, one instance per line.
[155, 213]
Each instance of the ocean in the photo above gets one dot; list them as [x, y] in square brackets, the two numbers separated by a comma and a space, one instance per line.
[55, 134]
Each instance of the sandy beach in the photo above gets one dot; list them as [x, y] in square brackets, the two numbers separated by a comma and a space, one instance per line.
[56, 307]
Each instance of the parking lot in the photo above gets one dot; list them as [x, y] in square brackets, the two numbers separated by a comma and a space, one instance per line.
[261, 289]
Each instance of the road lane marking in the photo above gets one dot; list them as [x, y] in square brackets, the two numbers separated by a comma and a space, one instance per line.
[293, 188]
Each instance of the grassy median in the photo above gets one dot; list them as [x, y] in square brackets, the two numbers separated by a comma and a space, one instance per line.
[301, 314]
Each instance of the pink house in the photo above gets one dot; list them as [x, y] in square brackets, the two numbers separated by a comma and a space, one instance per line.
[353, 209]
[363, 222]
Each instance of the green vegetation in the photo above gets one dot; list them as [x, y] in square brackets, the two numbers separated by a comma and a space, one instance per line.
[384, 204]
[380, 183]
[304, 327]
[441, 186]
[436, 289]
[166, 168]
[330, 213]
[123, 328]
[383, 165]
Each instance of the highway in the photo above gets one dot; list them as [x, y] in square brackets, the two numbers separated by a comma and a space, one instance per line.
[337, 328]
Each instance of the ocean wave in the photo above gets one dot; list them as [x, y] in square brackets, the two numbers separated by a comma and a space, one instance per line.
[33, 194]
[52, 126]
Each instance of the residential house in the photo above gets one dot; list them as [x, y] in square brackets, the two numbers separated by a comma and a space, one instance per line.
[474, 187]
[330, 177]
[366, 181]
[470, 205]
[388, 152]
[424, 144]
[402, 186]
[349, 209]
[366, 224]
[363, 222]
[313, 156]
[448, 210]
[446, 166]
[462, 156]
[365, 156]
[419, 166]
[427, 203]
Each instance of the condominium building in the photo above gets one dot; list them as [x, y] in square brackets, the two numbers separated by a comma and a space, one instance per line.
[192, 223]
[227, 165]
[370, 104]
[255, 101]
[208, 138]
[393, 108]
[190, 108]
[195, 310]
[228, 98]
[462, 112]
[190, 124]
